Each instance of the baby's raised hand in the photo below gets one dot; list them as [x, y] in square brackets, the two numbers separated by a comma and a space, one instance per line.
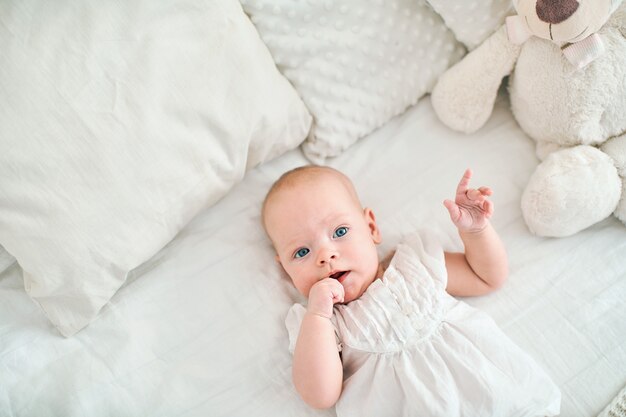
[323, 296]
[470, 210]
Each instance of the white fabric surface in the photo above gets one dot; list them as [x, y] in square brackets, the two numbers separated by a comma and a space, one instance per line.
[120, 121]
[199, 329]
[405, 342]
[356, 64]
[617, 407]
[6, 260]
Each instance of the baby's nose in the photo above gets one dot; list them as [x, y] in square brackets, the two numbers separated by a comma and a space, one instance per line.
[326, 256]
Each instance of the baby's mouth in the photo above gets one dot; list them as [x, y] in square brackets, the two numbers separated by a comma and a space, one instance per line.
[338, 275]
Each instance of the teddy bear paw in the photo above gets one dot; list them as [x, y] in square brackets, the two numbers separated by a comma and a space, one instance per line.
[571, 190]
[616, 149]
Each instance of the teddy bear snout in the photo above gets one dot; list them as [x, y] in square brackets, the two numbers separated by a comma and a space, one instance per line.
[555, 11]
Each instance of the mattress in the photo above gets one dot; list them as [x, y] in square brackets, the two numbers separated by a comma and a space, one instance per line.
[199, 329]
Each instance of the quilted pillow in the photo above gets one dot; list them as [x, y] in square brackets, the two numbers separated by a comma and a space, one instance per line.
[473, 21]
[120, 121]
[355, 64]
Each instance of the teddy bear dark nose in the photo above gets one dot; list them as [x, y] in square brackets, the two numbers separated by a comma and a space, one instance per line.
[555, 11]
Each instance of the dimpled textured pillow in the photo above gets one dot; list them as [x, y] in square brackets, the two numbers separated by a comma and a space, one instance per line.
[473, 21]
[356, 64]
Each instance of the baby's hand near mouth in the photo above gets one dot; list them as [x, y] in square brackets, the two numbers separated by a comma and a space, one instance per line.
[323, 296]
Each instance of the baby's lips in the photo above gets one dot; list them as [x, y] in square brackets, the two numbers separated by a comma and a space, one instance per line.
[336, 274]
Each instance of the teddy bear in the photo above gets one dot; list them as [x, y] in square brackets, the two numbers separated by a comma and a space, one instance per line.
[566, 62]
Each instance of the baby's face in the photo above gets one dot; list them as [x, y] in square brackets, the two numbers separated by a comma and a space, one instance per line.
[320, 231]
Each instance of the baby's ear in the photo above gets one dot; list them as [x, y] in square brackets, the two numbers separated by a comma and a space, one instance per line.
[371, 222]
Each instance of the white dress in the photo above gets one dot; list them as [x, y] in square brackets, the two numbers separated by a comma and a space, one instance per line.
[411, 349]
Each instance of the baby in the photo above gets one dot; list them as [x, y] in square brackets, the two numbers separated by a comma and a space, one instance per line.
[387, 338]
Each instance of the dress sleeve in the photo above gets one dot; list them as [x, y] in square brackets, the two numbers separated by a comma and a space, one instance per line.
[293, 321]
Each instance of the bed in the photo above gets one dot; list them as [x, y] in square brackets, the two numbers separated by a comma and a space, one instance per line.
[197, 327]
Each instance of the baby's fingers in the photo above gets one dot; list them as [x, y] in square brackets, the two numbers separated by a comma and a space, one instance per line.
[338, 292]
[453, 209]
[474, 195]
[464, 183]
[485, 191]
[479, 194]
[487, 208]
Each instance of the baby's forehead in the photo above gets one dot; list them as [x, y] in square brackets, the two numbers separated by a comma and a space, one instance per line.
[323, 183]
[313, 175]
[296, 185]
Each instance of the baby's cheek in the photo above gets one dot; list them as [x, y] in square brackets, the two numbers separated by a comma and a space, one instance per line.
[302, 288]
[373, 260]
[301, 280]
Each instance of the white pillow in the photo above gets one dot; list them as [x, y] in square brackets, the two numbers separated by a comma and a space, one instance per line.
[473, 21]
[6, 260]
[355, 64]
[120, 121]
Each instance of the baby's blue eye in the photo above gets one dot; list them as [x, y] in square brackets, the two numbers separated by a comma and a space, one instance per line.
[301, 253]
[341, 231]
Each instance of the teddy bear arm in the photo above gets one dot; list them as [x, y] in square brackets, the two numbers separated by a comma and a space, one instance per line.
[464, 95]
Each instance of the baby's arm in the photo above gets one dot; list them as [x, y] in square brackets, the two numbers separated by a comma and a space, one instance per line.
[317, 368]
[484, 265]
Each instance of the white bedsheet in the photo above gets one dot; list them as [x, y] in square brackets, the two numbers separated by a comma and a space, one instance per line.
[198, 330]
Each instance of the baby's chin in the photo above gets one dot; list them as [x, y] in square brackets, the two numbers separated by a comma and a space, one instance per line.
[353, 293]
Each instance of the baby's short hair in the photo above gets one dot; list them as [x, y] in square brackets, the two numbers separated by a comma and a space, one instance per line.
[302, 174]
